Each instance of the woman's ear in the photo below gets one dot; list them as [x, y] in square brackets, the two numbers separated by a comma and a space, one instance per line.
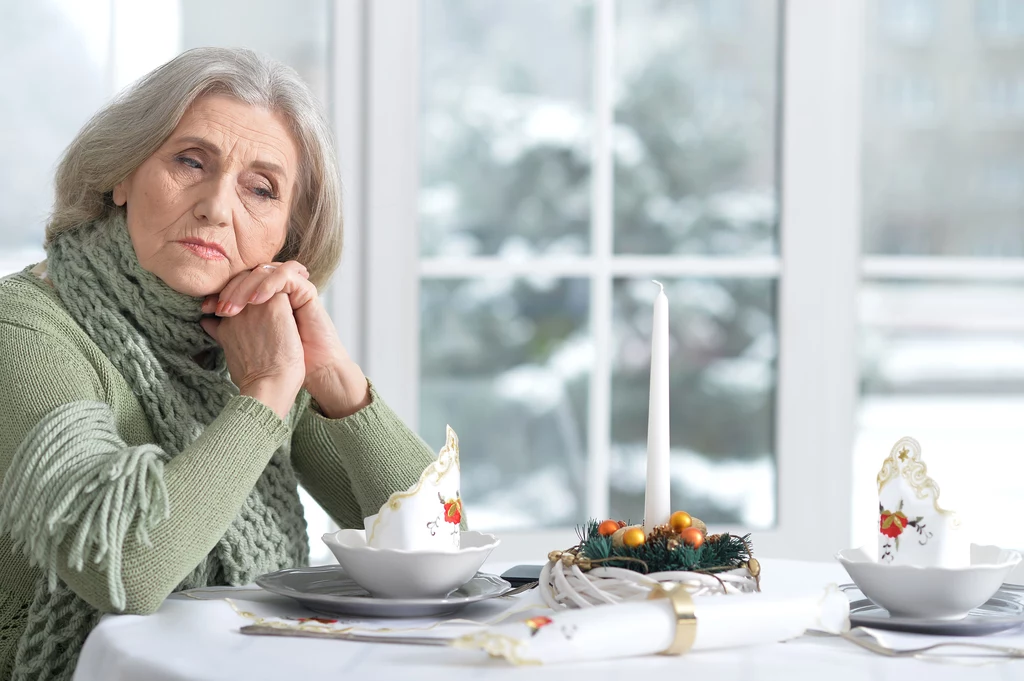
[120, 193]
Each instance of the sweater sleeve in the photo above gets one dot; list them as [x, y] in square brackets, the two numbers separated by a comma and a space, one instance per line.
[353, 464]
[179, 511]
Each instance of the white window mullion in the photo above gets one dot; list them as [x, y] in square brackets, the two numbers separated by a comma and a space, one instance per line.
[391, 226]
[347, 96]
[601, 211]
[943, 268]
[738, 267]
[820, 242]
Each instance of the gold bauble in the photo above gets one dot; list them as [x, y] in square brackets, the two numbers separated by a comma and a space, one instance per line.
[634, 537]
[699, 524]
[679, 521]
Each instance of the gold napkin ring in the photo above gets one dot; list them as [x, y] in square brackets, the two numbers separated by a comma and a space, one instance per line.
[686, 620]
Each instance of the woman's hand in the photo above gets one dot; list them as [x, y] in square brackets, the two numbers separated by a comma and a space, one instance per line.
[331, 377]
[263, 351]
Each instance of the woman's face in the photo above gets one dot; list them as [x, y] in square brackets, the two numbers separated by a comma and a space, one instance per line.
[214, 199]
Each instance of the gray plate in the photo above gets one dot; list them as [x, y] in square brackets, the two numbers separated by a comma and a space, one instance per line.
[328, 590]
[1005, 610]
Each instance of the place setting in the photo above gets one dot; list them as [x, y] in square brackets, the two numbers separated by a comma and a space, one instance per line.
[925, 582]
[412, 559]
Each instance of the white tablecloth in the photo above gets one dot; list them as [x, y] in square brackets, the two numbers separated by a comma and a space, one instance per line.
[199, 640]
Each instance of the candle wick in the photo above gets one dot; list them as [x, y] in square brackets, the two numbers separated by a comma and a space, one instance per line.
[659, 284]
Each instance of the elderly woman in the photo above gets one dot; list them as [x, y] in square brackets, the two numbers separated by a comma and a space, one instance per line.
[171, 375]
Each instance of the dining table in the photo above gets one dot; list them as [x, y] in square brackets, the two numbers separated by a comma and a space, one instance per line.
[198, 637]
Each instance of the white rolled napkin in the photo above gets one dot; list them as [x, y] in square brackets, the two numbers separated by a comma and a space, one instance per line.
[651, 627]
[428, 515]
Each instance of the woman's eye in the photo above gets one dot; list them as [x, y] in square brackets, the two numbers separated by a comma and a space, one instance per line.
[190, 162]
[264, 192]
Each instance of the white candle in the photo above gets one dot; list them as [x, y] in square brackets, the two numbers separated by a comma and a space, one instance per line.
[657, 501]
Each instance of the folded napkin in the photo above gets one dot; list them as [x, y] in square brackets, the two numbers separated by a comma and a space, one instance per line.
[912, 528]
[428, 515]
[658, 625]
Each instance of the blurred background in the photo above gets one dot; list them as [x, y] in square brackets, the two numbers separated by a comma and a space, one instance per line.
[565, 152]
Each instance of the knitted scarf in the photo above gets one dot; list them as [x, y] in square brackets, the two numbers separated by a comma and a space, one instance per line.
[74, 474]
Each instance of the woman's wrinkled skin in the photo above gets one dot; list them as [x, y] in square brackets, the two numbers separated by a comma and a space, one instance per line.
[206, 213]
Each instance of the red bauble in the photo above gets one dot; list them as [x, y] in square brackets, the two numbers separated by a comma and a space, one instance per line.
[691, 536]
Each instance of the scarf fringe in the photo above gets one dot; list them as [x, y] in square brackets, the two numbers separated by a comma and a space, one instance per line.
[74, 477]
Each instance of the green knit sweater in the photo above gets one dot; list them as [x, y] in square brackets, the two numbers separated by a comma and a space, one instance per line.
[350, 465]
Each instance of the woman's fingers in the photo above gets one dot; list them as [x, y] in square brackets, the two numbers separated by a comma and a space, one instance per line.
[259, 285]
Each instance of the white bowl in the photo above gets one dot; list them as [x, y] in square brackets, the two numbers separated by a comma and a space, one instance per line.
[397, 573]
[933, 593]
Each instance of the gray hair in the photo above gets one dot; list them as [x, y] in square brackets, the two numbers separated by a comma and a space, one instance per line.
[122, 135]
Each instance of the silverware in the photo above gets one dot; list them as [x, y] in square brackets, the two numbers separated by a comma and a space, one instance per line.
[872, 643]
[267, 630]
[518, 590]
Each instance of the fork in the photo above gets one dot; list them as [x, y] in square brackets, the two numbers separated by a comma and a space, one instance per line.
[876, 646]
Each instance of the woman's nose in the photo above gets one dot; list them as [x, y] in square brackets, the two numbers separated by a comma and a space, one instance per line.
[215, 204]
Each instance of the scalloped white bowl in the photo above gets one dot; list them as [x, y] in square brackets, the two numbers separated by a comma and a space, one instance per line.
[397, 573]
[933, 593]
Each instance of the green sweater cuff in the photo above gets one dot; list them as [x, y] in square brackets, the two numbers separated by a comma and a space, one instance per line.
[261, 417]
[370, 455]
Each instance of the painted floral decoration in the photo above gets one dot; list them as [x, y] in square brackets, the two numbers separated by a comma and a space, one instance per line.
[452, 509]
[537, 623]
[892, 523]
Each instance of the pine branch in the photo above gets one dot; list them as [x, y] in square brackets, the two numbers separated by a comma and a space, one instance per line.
[718, 553]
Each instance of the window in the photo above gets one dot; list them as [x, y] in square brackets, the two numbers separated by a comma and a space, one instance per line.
[54, 58]
[1001, 98]
[941, 300]
[538, 243]
[591, 147]
[999, 20]
[908, 21]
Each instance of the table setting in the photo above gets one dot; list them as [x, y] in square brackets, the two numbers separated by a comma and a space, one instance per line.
[415, 595]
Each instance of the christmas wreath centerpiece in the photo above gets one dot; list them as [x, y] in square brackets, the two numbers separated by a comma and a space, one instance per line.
[615, 562]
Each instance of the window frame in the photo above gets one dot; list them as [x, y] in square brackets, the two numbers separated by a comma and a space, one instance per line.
[375, 299]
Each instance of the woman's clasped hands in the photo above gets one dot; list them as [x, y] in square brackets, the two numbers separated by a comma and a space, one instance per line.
[278, 338]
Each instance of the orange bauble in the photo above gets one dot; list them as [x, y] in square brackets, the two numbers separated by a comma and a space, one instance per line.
[634, 537]
[679, 521]
[691, 536]
[607, 528]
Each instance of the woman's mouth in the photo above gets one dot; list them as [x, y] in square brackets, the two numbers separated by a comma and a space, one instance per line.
[204, 249]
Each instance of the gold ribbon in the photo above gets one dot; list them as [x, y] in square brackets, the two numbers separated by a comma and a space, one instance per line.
[686, 620]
